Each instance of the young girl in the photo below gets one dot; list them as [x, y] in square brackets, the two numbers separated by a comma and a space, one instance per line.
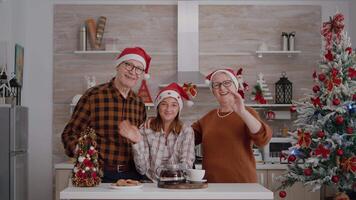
[166, 139]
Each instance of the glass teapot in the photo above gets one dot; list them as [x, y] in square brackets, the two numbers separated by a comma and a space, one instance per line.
[171, 173]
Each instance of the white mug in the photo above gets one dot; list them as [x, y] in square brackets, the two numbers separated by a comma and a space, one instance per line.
[195, 174]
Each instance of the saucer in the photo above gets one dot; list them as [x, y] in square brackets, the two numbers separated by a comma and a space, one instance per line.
[197, 181]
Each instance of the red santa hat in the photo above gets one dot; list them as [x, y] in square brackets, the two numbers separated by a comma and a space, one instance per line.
[176, 91]
[237, 79]
[135, 53]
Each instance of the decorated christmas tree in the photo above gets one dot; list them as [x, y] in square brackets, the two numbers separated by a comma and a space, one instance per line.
[86, 171]
[326, 136]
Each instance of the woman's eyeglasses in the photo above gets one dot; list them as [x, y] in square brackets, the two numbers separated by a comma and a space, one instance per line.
[217, 85]
[130, 67]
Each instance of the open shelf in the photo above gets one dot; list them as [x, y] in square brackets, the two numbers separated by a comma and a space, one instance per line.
[117, 52]
[241, 53]
[288, 53]
[269, 105]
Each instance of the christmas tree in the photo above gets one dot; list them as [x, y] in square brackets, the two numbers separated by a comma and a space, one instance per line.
[86, 171]
[326, 136]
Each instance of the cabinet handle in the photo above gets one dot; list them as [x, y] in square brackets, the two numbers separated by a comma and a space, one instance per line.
[272, 175]
[262, 179]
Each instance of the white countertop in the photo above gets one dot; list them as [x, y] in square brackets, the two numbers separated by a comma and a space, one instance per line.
[151, 191]
[67, 165]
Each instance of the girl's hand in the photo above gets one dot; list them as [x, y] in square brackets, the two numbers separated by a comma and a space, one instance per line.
[129, 131]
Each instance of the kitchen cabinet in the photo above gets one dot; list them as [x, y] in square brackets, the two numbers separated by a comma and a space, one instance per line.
[62, 180]
[296, 192]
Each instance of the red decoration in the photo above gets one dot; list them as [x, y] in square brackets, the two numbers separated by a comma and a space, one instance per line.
[314, 75]
[316, 102]
[329, 56]
[144, 93]
[335, 25]
[339, 120]
[308, 171]
[352, 73]
[349, 50]
[354, 97]
[335, 179]
[322, 77]
[304, 139]
[336, 101]
[349, 164]
[282, 194]
[292, 158]
[190, 88]
[321, 150]
[349, 130]
[340, 152]
[316, 88]
[293, 108]
[321, 134]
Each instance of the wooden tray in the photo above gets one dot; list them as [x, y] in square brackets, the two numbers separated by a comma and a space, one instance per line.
[187, 185]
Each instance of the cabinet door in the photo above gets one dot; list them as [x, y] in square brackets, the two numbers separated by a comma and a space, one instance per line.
[262, 177]
[296, 192]
[62, 180]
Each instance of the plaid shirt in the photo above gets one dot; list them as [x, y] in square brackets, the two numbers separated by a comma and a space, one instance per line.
[102, 108]
[155, 149]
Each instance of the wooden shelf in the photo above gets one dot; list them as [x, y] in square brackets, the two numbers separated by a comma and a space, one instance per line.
[226, 53]
[288, 53]
[117, 52]
[269, 105]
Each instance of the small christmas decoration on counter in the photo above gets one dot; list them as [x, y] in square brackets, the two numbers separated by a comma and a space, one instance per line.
[261, 91]
[6, 94]
[326, 120]
[86, 172]
[243, 86]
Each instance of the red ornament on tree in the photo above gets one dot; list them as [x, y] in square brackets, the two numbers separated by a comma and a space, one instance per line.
[336, 101]
[349, 50]
[308, 171]
[340, 152]
[335, 179]
[329, 56]
[316, 88]
[349, 130]
[322, 77]
[293, 108]
[291, 158]
[339, 120]
[320, 134]
[354, 97]
[282, 194]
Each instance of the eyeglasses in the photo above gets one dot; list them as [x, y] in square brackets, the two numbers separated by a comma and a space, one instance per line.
[130, 67]
[217, 85]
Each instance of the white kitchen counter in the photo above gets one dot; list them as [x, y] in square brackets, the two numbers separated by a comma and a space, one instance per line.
[67, 165]
[151, 191]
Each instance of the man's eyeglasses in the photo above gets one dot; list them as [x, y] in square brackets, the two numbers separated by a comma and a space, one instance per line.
[217, 85]
[130, 67]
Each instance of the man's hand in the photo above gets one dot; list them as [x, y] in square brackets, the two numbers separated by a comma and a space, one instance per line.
[129, 131]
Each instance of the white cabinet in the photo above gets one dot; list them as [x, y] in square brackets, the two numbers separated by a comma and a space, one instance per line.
[296, 192]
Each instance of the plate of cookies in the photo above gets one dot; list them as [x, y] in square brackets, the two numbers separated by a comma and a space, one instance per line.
[126, 184]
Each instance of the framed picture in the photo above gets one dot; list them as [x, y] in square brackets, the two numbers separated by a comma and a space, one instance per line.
[19, 62]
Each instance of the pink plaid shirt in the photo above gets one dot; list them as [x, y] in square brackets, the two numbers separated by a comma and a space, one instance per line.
[155, 149]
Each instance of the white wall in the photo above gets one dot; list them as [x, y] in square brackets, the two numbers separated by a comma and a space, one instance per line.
[353, 23]
[37, 95]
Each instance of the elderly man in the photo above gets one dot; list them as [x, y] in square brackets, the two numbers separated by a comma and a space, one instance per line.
[103, 107]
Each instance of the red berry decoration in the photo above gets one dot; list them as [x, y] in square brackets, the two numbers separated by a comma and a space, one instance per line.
[336, 101]
[349, 130]
[339, 120]
[322, 77]
[316, 88]
[308, 171]
[321, 134]
[335, 179]
[292, 158]
[340, 152]
[282, 194]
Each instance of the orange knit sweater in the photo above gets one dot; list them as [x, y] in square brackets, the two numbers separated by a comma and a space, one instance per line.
[227, 147]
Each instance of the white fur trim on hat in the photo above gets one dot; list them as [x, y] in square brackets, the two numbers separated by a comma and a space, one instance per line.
[147, 76]
[232, 76]
[169, 93]
[131, 57]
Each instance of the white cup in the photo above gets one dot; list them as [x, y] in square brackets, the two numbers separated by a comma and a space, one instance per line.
[195, 174]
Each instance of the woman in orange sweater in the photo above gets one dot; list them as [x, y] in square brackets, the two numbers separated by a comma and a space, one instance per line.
[228, 133]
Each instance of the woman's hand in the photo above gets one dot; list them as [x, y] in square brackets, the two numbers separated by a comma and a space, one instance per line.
[238, 104]
[129, 131]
